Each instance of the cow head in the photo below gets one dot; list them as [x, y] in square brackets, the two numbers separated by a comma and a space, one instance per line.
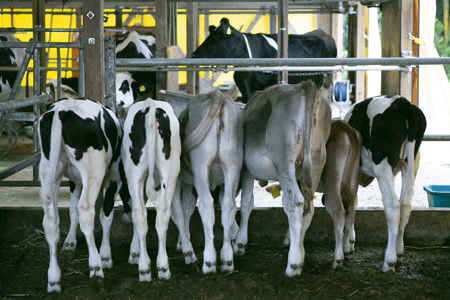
[223, 41]
[124, 89]
[130, 90]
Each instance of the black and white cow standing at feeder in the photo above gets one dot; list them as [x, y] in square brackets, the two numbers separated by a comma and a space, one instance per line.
[80, 139]
[286, 128]
[9, 57]
[212, 136]
[151, 152]
[221, 44]
[392, 130]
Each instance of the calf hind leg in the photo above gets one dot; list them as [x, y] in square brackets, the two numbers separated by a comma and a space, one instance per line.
[333, 205]
[86, 207]
[70, 243]
[49, 197]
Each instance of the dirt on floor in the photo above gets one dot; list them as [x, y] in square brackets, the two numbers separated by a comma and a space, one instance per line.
[424, 274]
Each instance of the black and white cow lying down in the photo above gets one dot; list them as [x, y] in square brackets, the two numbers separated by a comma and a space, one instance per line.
[220, 44]
[286, 128]
[212, 151]
[392, 130]
[151, 152]
[80, 139]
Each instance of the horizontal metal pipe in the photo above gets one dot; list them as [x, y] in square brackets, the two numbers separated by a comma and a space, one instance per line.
[22, 116]
[10, 105]
[436, 138]
[39, 29]
[20, 166]
[268, 62]
[42, 69]
[273, 69]
[40, 45]
[27, 183]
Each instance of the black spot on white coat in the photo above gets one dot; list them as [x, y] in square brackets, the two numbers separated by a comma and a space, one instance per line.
[80, 134]
[164, 130]
[45, 128]
[138, 135]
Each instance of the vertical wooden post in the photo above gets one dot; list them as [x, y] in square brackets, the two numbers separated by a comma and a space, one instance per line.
[39, 22]
[396, 24]
[416, 51]
[93, 49]
[191, 43]
[283, 11]
[337, 33]
[323, 21]
[356, 48]
[161, 42]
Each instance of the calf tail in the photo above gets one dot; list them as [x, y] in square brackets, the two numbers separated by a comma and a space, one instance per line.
[199, 133]
[50, 137]
[310, 100]
[350, 180]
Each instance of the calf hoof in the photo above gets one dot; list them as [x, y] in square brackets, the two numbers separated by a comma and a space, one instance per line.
[145, 275]
[107, 263]
[227, 266]
[189, 257]
[338, 264]
[239, 249]
[133, 259]
[95, 271]
[69, 246]
[399, 259]
[209, 267]
[294, 270]
[54, 287]
[164, 273]
[389, 266]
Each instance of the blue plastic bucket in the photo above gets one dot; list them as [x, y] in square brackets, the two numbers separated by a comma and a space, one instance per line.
[438, 195]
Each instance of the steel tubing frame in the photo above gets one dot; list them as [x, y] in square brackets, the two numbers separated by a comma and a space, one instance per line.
[10, 105]
[276, 62]
[274, 69]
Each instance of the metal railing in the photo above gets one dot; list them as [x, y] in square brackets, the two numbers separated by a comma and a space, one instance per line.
[6, 108]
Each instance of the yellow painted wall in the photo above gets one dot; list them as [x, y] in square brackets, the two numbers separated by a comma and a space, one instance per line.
[302, 23]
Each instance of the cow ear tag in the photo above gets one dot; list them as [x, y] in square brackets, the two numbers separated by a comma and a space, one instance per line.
[275, 192]
[142, 88]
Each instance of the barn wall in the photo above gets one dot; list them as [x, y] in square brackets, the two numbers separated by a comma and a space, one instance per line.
[428, 227]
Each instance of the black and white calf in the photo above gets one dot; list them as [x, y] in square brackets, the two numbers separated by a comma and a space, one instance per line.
[212, 135]
[80, 139]
[9, 57]
[128, 89]
[225, 41]
[392, 130]
[151, 152]
[135, 45]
